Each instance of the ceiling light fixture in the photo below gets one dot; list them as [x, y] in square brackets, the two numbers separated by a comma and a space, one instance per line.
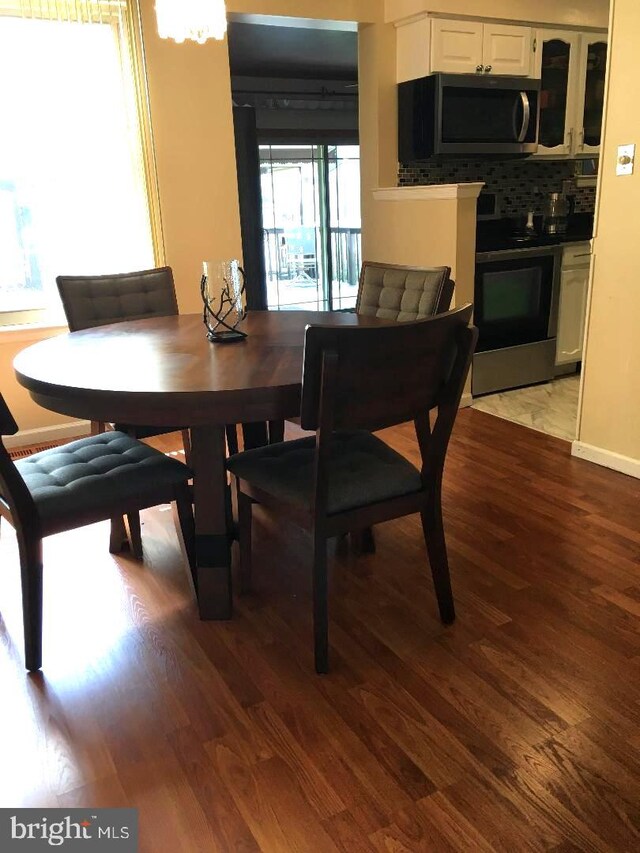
[193, 20]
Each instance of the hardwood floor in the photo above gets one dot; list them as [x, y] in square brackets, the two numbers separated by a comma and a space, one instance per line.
[516, 729]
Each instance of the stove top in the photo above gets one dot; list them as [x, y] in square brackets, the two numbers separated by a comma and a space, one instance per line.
[507, 234]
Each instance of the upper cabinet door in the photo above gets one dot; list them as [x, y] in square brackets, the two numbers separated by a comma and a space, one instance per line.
[507, 49]
[593, 65]
[456, 46]
[556, 64]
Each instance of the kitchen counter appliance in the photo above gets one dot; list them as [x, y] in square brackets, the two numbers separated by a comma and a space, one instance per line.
[557, 210]
[467, 114]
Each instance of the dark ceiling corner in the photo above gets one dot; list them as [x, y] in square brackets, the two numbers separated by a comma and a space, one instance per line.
[274, 51]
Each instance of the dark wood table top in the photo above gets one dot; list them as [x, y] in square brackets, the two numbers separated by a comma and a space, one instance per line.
[164, 370]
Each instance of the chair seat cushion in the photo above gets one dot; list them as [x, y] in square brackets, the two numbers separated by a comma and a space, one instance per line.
[97, 473]
[362, 470]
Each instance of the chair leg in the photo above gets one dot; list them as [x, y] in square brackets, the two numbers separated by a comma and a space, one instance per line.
[244, 540]
[254, 434]
[187, 528]
[97, 427]
[118, 536]
[186, 444]
[363, 541]
[31, 575]
[320, 605]
[276, 432]
[437, 549]
[232, 439]
[135, 537]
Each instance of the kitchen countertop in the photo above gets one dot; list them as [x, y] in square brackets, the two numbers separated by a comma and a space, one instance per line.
[508, 233]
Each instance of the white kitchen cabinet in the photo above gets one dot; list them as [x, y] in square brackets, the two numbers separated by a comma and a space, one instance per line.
[507, 49]
[426, 45]
[456, 46]
[574, 286]
[571, 66]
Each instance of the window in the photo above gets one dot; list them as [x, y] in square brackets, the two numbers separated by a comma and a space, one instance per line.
[73, 180]
[311, 225]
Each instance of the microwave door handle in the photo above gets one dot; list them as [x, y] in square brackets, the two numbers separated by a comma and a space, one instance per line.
[521, 135]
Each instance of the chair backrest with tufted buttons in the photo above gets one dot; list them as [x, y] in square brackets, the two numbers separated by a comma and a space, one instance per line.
[90, 301]
[393, 292]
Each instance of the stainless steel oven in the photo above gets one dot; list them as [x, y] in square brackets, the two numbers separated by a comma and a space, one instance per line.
[516, 312]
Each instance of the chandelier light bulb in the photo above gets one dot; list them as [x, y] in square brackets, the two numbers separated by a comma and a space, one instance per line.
[191, 20]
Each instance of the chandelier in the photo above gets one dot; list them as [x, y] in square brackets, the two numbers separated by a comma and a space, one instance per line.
[195, 20]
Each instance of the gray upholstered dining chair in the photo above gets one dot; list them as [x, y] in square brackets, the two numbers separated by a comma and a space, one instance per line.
[97, 300]
[394, 292]
[91, 301]
[76, 484]
[345, 478]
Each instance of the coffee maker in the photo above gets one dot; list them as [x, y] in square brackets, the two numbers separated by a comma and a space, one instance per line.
[557, 210]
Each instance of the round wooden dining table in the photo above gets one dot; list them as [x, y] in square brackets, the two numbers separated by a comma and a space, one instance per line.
[163, 371]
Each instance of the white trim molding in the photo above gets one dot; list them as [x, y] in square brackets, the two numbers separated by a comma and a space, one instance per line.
[429, 192]
[607, 458]
[43, 435]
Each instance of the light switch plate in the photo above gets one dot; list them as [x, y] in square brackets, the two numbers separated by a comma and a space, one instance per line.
[626, 155]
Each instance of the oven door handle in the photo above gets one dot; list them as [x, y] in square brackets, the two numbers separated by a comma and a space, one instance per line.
[521, 134]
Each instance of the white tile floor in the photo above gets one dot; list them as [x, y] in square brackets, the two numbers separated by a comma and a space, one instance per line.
[551, 407]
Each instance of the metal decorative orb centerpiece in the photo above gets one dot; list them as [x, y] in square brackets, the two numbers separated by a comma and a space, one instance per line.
[222, 291]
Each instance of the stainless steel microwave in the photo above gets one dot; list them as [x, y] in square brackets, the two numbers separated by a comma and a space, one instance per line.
[467, 114]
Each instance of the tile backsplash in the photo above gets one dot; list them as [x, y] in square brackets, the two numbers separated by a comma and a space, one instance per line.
[521, 185]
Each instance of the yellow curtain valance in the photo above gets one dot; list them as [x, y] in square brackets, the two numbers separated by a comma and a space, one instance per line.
[72, 11]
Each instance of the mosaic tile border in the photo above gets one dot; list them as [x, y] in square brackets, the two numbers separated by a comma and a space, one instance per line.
[520, 184]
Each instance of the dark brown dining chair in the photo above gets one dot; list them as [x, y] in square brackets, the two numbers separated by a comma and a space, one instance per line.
[91, 301]
[401, 293]
[357, 380]
[98, 300]
[395, 292]
[77, 484]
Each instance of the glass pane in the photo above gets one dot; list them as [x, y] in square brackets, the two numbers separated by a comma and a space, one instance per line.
[311, 222]
[553, 96]
[72, 193]
[290, 179]
[512, 295]
[345, 224]
[594, 93]
[466, 117]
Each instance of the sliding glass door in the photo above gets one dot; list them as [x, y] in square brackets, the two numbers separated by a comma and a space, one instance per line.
[311, 222]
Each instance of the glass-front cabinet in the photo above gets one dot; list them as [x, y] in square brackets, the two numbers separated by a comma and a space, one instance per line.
[571, 67]
[593, 57]
[557, 54]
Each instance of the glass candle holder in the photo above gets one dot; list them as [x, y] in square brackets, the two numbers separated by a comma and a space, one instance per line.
[222, 290]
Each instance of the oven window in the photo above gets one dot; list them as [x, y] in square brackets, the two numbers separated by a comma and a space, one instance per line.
[512, 297]
[513, 301]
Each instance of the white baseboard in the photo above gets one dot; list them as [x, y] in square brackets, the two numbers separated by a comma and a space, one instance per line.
[43, 435]
[607, 458]
[465, 401]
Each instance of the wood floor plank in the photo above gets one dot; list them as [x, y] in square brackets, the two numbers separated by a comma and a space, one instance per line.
[517, 729]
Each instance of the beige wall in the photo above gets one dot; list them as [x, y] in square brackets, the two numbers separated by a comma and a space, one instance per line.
[425, 232]
[191, 113]
[28, 415]
[578, 13]
[190, 99]
[610, 416]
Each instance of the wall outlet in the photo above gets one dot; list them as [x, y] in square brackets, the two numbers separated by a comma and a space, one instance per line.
[626, 156]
